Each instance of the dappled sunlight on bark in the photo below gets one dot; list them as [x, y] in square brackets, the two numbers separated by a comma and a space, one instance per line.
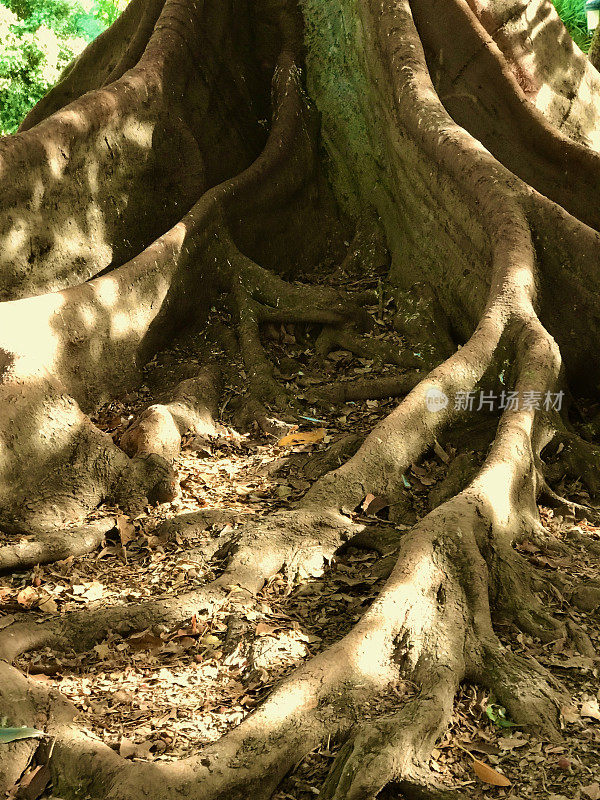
[159, 202]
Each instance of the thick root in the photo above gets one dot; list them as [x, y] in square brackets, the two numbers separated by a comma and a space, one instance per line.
[53, 462]
[576, 458]
[525, 689]
[192, 408]
[394, 748]
[56, 465]
[432, 623]
[427, 626]
[375, 349]
[47, 547]
[300, 542]
[373, 389]
[262, 298]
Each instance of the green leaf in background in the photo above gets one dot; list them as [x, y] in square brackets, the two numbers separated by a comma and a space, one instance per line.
[38, 40]
[572, 13]
[497, 714]
[13, 734]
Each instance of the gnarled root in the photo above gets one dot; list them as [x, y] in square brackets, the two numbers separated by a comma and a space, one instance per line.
[431, 626]
[56, 465]
[61, 353]
[261, 298]
[376, 349]
[393, 748]
[192, 408]
[55, 544]
[300, 542]
[575, 457]
[365, 389]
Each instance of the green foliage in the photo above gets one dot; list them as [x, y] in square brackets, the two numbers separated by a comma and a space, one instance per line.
[572, 13]
[497, 715]
[38, 39]
[108, 10]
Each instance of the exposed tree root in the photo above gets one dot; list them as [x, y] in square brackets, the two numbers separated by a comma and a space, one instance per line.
[344, 339]
[576, 458]
[461, 472]
[392, 748]
[192, 408]
[260, 298]
[429, 624]
[335, 455]
[497, 247]
[81, 349]
[300, 542]
[54, 545]
[365, 389]
[538, 64]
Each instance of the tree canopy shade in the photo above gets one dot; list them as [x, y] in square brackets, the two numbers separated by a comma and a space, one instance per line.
[209, 169]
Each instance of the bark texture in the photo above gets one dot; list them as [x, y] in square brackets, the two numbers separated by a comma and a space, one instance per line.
[206, 153]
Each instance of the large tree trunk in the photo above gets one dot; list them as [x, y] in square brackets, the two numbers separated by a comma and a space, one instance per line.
[143, 189]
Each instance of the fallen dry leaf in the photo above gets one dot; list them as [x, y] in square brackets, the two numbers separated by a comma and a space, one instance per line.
[262, 629]
[127, 748]
[27, 597]
[592, 791]
[48, 605]
[591, 709]
[486, 774]
[144, 641]
[89, 591]
[33, 783]
[302, 437]
[569, 714]
[102, 650]
[126, 529]
[372, 505]
[440, 452]
[511, 742]
[367, 501]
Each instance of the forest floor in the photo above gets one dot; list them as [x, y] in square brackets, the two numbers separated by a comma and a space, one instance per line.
[161, 694]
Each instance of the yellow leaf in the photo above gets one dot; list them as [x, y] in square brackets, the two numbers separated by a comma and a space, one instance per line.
[488, 775]
[302, 437]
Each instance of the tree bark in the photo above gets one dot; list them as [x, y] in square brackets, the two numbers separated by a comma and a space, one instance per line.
[594, 51]
[144, 189]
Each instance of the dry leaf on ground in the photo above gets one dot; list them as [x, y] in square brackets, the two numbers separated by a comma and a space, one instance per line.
[303, 437]
[486, 774]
